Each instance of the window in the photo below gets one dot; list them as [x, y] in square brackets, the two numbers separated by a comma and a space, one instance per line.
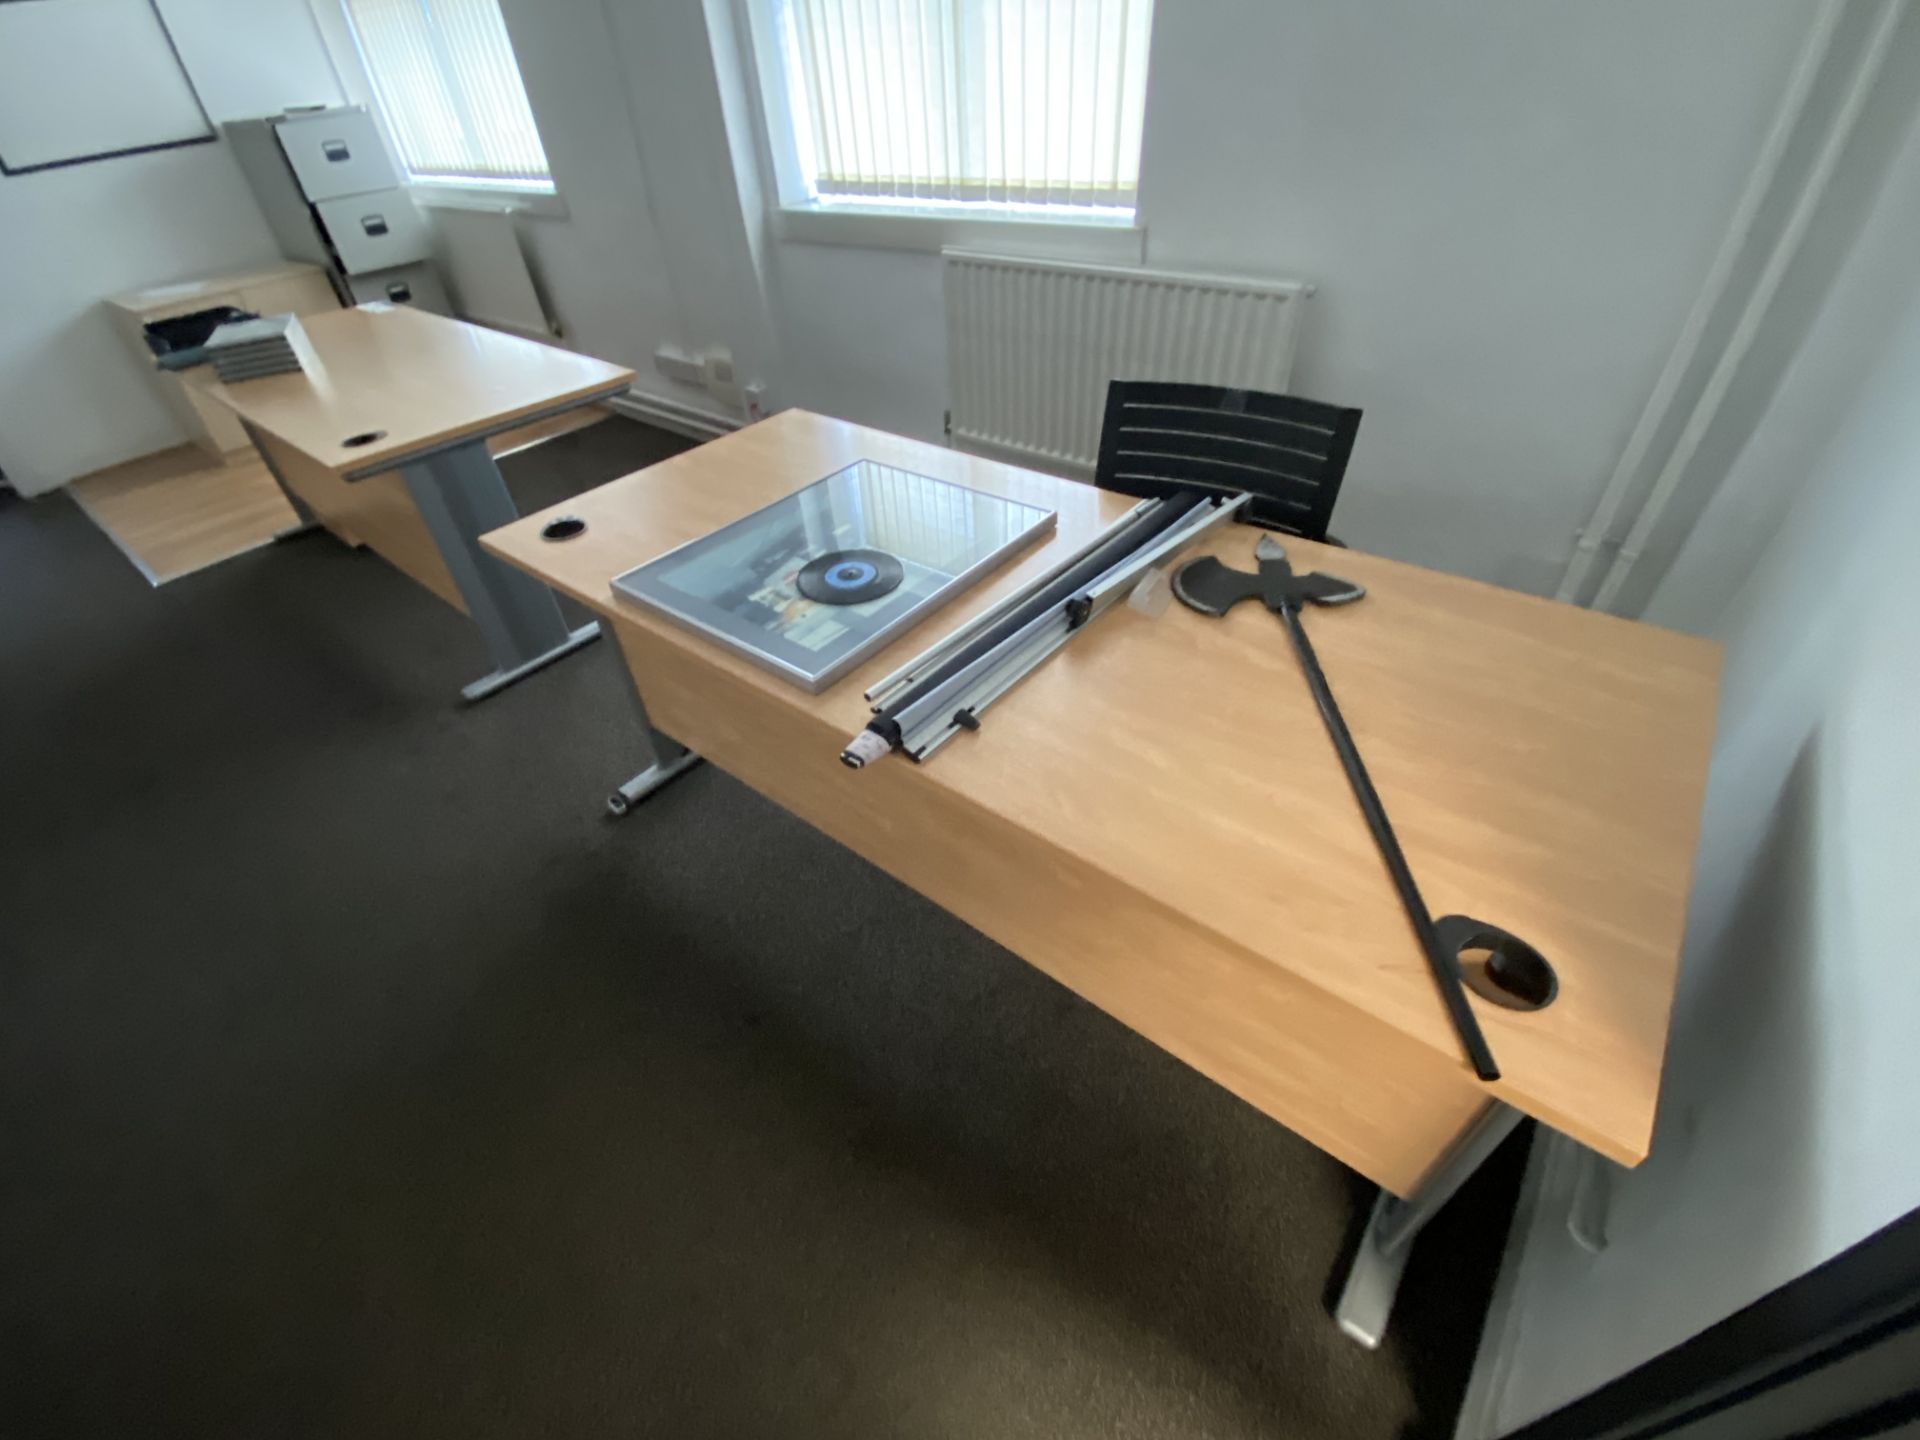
[967, 103]
[451, 92]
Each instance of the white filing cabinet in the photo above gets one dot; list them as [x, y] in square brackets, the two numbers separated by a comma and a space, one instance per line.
[409, 285]
[332, 197]
[376, 231]
[334, 152]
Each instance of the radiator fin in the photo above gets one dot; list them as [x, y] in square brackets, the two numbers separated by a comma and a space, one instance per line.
[1031, 345]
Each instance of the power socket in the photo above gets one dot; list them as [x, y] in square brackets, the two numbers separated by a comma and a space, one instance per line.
[713, 371]
[676, 364]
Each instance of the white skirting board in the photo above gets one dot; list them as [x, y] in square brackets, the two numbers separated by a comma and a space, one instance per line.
[681, 419]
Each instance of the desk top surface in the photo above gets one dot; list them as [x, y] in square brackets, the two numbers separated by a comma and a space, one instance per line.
[1544, 765]
[414, 379]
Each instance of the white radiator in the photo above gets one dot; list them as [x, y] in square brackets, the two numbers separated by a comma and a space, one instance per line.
[1031, 345]
[489, 272]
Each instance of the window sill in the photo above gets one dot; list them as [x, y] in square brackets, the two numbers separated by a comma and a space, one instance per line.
[1096, 240]
[434, 195]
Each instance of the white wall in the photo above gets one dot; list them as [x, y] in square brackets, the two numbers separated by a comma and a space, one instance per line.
[1504, 232]
[620, 280]
[602, 267]
[685, 85]
[251, 57]
[1786, 1129]
[72, 399]
[1508, 208]
[598, 262]
[1842, 344]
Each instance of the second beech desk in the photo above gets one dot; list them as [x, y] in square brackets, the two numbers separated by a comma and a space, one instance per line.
[1154, 817]
[386, 445]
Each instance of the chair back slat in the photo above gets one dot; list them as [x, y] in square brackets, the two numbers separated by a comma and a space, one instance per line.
[1177, 472]
[1289, 453]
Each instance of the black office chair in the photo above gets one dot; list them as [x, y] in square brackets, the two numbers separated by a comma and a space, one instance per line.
[1288, 453]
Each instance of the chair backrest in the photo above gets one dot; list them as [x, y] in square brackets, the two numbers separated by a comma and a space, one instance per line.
[1288, 453]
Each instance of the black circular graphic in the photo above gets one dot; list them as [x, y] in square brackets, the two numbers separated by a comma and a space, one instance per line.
[849, 577]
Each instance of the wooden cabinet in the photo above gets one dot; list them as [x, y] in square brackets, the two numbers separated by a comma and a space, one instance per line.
[283, 289]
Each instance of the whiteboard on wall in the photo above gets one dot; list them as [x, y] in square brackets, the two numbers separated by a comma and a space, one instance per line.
[85, 80]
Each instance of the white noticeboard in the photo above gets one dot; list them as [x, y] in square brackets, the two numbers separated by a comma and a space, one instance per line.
[88, 80]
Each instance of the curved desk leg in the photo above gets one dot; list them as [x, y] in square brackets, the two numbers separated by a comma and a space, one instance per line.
[671, 759]
[1366, 1301]
[461, 496]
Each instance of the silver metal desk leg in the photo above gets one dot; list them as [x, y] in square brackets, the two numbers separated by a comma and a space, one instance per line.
[671, 759]
[461, 496]
[1366, 1302]
[307, 519]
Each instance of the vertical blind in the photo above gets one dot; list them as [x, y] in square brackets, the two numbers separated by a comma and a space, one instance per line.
[450, 89]
[1033, 102]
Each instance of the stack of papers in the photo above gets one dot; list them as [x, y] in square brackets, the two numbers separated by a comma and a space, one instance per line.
[248, 349]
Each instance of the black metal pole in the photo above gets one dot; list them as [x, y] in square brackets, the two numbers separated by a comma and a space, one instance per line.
[1444, 964]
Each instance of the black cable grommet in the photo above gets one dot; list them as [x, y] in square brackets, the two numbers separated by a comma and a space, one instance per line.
[1514, 974]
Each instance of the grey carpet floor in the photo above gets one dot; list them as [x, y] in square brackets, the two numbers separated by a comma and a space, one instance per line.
[359, 1078]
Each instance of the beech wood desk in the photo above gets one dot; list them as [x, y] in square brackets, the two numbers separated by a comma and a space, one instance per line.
[1156, 819]
[386, 446]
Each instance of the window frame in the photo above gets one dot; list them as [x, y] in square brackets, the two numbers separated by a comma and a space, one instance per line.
[799, 216]
[341, 39]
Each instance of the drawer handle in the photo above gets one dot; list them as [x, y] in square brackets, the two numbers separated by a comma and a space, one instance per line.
[334, 149]
[399, 292]
[374, 224]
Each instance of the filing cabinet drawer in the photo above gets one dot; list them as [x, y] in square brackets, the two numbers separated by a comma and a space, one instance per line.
[416, 285]
[336, 153]
[377, 231]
